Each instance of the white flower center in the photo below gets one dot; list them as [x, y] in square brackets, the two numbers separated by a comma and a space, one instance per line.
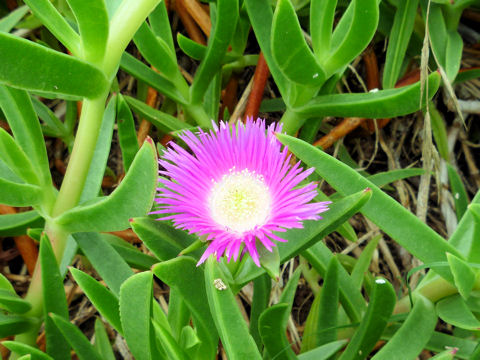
[240, 201]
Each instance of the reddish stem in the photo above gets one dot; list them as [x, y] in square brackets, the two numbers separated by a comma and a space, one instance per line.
[259, 82]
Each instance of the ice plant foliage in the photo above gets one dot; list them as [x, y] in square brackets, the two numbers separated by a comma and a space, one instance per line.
[235, 186]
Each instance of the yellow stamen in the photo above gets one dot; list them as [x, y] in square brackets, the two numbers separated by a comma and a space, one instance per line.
[240, 201]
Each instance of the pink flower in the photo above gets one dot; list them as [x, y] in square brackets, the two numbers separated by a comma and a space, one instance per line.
[235, 186]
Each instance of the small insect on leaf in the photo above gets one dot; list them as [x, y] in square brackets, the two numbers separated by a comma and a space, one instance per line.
[219, 284]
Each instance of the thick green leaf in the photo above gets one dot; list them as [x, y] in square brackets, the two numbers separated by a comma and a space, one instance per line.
[385, 212]
[288, 293]
[46, 71]
[459, 193]
[159, 82]
[171, 347]
[112, 6]
[453, 54]
[182, 274]
[399, 38]
[438, 340]
[15, 194]
[92, 20]
[21, 117]
[15, 324]
[231, 326]
[13, 303]
[445, 42]
[290, 50]
[132, 198]
[323, 352]
[157, 52]
[93, 184]
[5, 284]
[262, 286]
[127, 135]
[68, 254]
[103, 299]
[160, 319]
[387, 177]
[473, 301]
[466, 237]
[379, 104]
[222, 32]
[23, 349]
[130, 253]
[438, 37]
[211, 100]
[319, 256]
[322, 15]
[382, 302]
[353, 37]
[448, 354]
[78, 341]
[12, 19]
[272, 331]
[320, 327]
[463, 275]
[160, 119]
[476, 353]
[191, 48]
[439, 131]
[178, 313]
[135, 312]
[160, 24]
[109, 265]
[52, 124]
[270, 261]
[54, 299]
[455, 311]
[58, 26]
[465, 347]
[467, 74]
[363, 262]
[71, 115]
[338, 213]
[413, 335]
[280, 324]
[102, 342]
[162, 239]
[188, 338]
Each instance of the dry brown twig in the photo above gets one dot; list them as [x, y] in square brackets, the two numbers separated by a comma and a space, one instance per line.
[259, 81]
[190, 25]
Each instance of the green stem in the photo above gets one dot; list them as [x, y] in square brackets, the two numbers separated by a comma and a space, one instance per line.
[82, 154]
[124, 24]
[438, 288]
[34, 295]
[292, 122]
[197, 112]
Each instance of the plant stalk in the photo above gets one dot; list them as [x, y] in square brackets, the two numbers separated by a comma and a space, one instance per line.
[292, 122]
[82, 154]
